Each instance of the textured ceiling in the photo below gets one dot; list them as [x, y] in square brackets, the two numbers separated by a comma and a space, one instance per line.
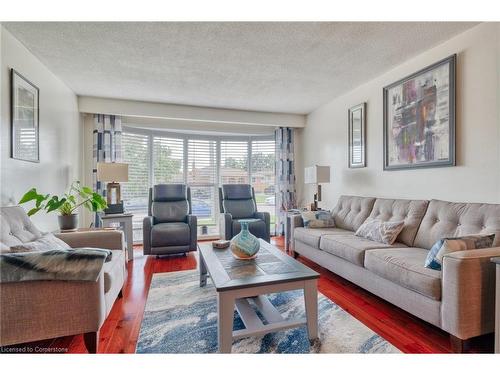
[279, 67]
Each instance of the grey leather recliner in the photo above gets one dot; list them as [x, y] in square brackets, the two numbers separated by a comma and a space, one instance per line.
[170, 228]
[237, 201]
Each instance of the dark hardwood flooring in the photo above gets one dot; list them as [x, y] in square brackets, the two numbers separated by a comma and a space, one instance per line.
[120, 331]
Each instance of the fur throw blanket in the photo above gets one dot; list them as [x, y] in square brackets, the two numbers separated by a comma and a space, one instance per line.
[84, 264]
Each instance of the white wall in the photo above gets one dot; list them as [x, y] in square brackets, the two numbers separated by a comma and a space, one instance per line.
[60, 132]
[477, 174]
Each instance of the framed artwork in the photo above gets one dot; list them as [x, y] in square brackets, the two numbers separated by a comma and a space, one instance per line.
[24, 99]
[357, 136]
[419, 118]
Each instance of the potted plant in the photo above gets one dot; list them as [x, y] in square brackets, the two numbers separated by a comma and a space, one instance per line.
[67, 205]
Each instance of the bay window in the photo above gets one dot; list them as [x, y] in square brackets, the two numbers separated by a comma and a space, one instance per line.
[203, 163]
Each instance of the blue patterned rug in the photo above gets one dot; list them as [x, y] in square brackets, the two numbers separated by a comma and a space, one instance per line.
[181, 317]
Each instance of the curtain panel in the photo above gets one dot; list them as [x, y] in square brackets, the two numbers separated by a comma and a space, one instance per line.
[285, 176]
[107, 147]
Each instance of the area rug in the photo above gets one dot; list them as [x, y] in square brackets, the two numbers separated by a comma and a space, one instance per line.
[181, 317]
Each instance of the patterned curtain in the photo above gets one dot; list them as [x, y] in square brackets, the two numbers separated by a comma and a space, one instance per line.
[285, 176]
[107, 146]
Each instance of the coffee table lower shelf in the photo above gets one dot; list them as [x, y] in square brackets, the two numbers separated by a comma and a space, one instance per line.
[240, 299]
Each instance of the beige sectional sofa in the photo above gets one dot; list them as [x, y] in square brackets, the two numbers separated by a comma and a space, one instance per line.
[38, 310]
[459, 299]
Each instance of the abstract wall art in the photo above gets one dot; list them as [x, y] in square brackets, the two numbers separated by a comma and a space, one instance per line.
[419, 118]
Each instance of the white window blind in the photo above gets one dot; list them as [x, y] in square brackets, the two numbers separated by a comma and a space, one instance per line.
[234, 162]
[168, 160]
[202, 163]
[135, 152]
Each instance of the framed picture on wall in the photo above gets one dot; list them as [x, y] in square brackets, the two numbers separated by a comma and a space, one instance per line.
[357, 136]
[419, 118]
[24, 99]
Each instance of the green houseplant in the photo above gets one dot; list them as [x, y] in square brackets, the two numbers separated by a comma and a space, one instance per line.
[67, 204]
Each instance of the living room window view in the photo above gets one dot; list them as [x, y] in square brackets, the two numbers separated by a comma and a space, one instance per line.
[210, 190]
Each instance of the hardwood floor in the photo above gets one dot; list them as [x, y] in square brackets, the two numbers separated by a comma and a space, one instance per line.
[120, 332]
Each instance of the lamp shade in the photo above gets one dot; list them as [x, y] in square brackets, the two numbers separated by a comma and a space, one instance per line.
[112, 172]
[317, 174]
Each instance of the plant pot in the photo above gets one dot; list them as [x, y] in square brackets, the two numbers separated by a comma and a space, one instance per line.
[68, 222]
[245, 245]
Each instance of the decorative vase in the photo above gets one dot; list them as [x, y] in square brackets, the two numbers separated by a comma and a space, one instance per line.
[245, 245]
[68, 222]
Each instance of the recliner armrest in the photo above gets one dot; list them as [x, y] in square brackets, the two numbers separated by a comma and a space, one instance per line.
[266, 218]
[226, 223]
[147, 225]
[192, 221]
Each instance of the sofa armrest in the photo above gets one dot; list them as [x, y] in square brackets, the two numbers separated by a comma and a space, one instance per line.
[468, 292]
[266, 218]
[147, 225]
[226, 223]
[38, 310]
[192, 221]
[296, 221]
[104, 239]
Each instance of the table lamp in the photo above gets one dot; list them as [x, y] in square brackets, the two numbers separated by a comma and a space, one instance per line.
[113, 174]
[317, 175]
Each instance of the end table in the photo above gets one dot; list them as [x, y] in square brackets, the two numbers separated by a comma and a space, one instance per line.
[125, 221]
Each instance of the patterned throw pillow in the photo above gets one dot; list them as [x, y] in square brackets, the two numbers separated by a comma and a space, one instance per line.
[445, 246]
[380, 231]
[318, 219]
[47, 242]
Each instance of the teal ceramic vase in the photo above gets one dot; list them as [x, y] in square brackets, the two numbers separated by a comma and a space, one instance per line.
[245, 245]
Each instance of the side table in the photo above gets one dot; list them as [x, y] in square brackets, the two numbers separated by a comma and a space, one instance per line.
[497, 304]
[289, 227]
[125, 221]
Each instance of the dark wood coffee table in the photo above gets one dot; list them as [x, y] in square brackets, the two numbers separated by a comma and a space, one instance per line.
[239, 281]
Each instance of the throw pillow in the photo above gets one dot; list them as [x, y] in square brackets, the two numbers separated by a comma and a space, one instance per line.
[47, 242]
[445, 246]
[318, 219]
[380, 231]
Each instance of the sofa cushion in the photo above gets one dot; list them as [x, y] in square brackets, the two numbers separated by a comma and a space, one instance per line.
[113, 269]
[16, 227]
[350, 247]
[311, 236]
[405, 267]
[350, 211]
[447, 219]
[410, 211]
[170, 234]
